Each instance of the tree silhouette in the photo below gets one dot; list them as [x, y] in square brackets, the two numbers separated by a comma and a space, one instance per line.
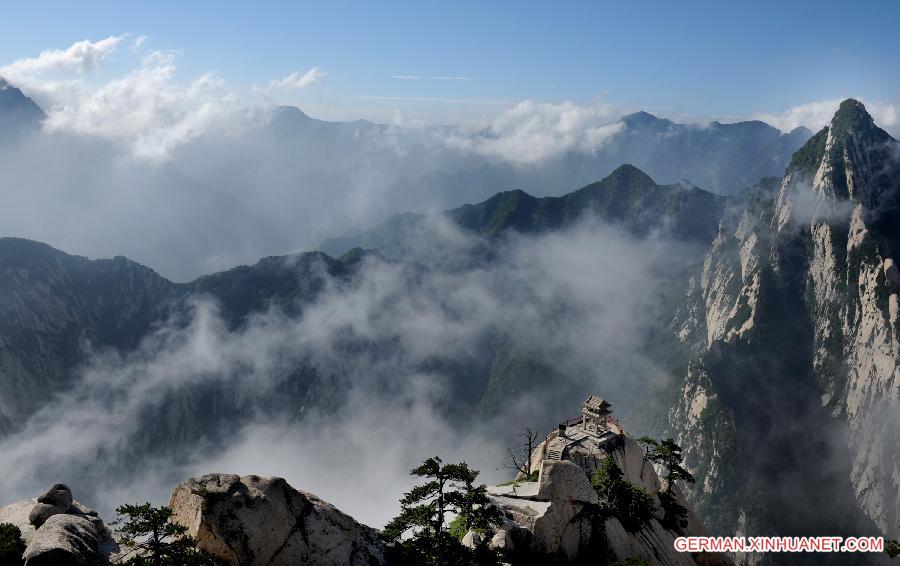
[154, 540]
[522, 463]
[11, 545]
[450, 488]
[668, 455]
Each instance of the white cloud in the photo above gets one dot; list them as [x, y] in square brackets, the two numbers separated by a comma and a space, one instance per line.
[406, 77]
[532, 131]
[138, 42]
[818, 114]
[81, 56]
[147, 109]
[297, 81]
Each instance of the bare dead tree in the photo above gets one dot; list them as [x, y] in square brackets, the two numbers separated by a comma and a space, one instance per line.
[522, 462]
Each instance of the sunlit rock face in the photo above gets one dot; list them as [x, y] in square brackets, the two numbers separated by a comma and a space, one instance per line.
[793, 325]
[556, 515]
[60, 531]
[257, 520]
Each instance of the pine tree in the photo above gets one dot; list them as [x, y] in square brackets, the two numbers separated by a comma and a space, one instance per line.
[155, 540]
[450, 488]
[11, 545]
[668, 455]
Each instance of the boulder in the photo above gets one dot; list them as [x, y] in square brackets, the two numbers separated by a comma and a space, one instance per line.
[564, 480]
[57, 500]
[56, 537]
[562, 529]
[502, 541]
[472, 539]
[59, 495]
[43, 511]
[253, 520]
[64, 540]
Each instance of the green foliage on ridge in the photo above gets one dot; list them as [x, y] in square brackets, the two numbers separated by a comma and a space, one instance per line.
[619, 498]
[12, 547]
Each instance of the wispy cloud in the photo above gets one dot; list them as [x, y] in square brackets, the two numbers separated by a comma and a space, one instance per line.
[296, 80]
[138, 43]
[442, 99]
[81, 56]
[532, 131]
[406, 77]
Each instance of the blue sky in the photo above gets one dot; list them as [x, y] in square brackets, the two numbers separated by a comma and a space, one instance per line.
[706, 59]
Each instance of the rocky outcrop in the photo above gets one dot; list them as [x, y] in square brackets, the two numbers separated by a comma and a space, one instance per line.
[557, 515]
[60, 531]
[57, 500]
[64, 540]
[253, 520]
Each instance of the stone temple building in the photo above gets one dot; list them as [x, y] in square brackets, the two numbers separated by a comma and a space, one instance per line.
[554, 515]
[583, 438]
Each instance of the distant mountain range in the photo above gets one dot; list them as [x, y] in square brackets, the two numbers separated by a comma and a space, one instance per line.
[280, 180]
[53, 303]
[627, 197]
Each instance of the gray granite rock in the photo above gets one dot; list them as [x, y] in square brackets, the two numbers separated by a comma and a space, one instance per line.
[252, 520]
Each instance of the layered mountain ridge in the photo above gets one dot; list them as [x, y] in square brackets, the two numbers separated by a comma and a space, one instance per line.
[274, 180]
[59, 309]
[627, 197]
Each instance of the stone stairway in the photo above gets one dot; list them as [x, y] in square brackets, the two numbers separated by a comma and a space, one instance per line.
[555, 449]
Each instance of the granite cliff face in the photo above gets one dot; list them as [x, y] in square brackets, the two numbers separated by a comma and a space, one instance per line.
[60, 311]
[793, 325]
[253, 520]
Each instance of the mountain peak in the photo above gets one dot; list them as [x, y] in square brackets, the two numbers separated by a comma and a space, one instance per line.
[17, 111]
[629, 172]
[642, 118]
[851, 116]
[852, 125]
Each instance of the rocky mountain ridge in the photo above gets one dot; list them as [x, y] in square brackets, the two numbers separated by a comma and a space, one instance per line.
[793, 321]
[627, 197]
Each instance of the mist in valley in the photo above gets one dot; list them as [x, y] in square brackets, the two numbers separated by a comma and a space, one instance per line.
[373, 398]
